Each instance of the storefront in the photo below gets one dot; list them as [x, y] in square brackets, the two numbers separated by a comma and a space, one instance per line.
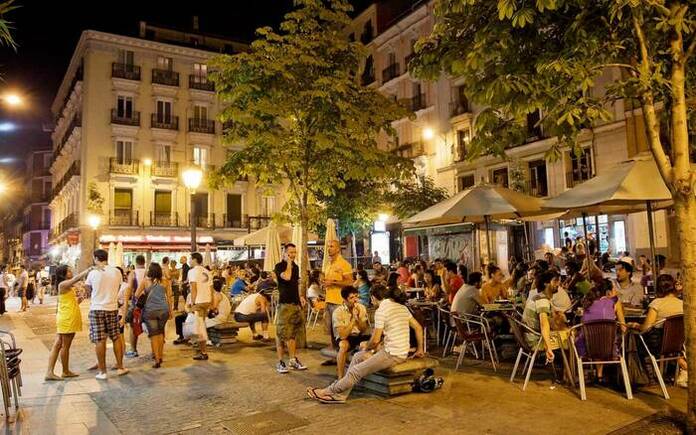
[610, 230]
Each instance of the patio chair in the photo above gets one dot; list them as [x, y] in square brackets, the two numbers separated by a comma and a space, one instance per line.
[448, 332]
[519, 329]
[421, 318]
[314, 310]
[10, 373]
[600, 348]
[472, 330]
[671, 348]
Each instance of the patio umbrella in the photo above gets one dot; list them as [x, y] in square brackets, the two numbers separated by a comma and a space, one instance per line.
[480, 204]
[303, 255]
[112, 254]
[272, 256]
[119, 254]
[631, 186]
[330, 235]
[207, 258]
[258, 237]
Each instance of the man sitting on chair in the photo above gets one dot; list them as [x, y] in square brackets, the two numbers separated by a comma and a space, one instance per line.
[350, 325]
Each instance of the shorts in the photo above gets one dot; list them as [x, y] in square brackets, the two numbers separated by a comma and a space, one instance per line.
[20, 292]
[251, 318]
[201, 310]
[289, 321]
[354, 341]
[155, 322]
[330, 308]
[103, 324]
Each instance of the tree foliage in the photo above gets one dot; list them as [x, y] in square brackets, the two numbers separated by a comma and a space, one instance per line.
[410, 196]
[6, 25]
[355, 206]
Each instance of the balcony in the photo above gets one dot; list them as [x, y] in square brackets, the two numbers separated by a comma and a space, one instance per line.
[207, 221]
[124, 118]
[578, 176]
[73, 171]
[123, 167]
[164, 169]
[75, 122]
[410, 150]
[417, 102]
[390, 72]
[232, 221]
[257, 222]
[124, 218]
[459, 108]
[532, 188]
[165, 77]
[407, 60]
[201, 83]
[70, 221]
[196, 125]
[158, 120]
[159, 219]
[125, 71]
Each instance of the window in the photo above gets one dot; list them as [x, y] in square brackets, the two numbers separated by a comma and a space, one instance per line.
[466, 182]
[463, 138]
[548, 238]
[124, 152]
[200, 112]
[367, 33]
[47, 160]
[500, 177]
[47, 188]
[200, 156]
[163, 202]
[533, 126]
[46, 217]
[392, 59]
[200, 202]
[538, 183]
[125, 57]
[164, 112]
[124, 107]
[234, 210]
[164, 153]
[165, 63]
[267, 205]
[35, 240]
[200, 72]
[460, 104]
[579, 167]
[38, 163]
[123, 199]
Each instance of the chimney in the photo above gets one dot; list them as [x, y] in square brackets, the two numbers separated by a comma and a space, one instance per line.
[195, 22]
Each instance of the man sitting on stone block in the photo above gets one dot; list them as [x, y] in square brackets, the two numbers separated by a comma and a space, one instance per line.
[350, 326]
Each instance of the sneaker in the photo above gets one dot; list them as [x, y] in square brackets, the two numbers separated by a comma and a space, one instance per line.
[683, 379]
[296, 364]
[123, 371]
[201, 357]
[101, 376]
[281, 367]
[131, 354]
[180, 341]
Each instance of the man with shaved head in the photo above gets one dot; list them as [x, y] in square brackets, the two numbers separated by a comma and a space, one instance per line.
[338, 274]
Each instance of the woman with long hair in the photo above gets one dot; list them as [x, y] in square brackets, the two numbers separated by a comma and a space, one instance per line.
[68, 321]
[157, 310]
[362, 283]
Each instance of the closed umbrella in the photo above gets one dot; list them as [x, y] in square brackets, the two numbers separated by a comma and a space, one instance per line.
[631, 186]
[207, 258]
[330, 235]
[112, 254]
[119, 254]
[302, 254]
[272, 256]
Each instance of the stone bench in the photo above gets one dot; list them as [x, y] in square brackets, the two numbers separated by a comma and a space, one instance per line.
[225, 333]
[394, 380]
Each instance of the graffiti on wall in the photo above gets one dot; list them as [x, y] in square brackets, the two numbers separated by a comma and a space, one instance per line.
[456, 247]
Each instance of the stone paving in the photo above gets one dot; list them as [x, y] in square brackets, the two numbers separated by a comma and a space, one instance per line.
[238, 391]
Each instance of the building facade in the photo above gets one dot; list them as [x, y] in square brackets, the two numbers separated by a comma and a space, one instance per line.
[36, 219]
[132, 113]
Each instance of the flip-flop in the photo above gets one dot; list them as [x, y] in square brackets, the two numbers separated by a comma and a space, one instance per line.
[71, 375]
[331, 400]
[311, 392]
[52, 378]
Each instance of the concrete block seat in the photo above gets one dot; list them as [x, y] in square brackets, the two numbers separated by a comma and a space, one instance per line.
[225, 333]
[394, 380]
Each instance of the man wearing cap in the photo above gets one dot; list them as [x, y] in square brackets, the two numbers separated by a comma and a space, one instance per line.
[629, 292]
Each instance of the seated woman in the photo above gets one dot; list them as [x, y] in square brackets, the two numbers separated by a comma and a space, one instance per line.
[600, 303]
[362, 283]
[666, 304]
[416, 277]
[314, 293]
[433, 292]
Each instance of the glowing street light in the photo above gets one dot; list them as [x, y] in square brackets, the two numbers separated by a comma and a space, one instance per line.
[94, 221]
[147, 162]
[13, 100]
[192, 179]
[7, 126]
[3, 187]
[428, 133]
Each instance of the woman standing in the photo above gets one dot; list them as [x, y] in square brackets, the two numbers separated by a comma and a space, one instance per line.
[157, 310]
[68, 321]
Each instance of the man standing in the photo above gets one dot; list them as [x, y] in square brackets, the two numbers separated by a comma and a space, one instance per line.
[200, 281]
[22, 284]
[350, 326]
[338, 274]
[289, 320]
[376, 258]
[136, 278]
[174, 278]
[184, 277]
[103, 283]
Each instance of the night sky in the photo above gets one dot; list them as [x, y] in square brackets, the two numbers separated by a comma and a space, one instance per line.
[47, 31]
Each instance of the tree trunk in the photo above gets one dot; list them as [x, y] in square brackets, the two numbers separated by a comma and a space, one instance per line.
[302, 260]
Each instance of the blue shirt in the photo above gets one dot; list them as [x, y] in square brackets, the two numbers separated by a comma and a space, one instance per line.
[364, 294]
[238, 287]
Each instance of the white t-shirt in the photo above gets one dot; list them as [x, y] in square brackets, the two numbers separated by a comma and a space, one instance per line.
[105, 285]
[248, 305]
[393, 319]
[203, 279]
[23, 279]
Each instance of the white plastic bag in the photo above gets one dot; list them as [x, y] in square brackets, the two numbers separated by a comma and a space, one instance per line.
[190, 326]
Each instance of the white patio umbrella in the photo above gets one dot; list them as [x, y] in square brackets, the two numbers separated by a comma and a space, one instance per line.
[302, 255]
[207, 258]
[258, 237]
[272, 256]
[112, 254]
[330, 235]
[119, 254]
[631, 186]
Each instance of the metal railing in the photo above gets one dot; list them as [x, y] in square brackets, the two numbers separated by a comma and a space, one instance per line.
[257, 222]
[125, 71]
[579, 176]
[157, 120]
[410, 150]
[159, 219]
[198, 125]
[459, 108]
[123, 119]
[126, 167]
[70, 221]
[233, 221]
[417, 102]
[201, 83]
[390, 72]
[124, 218]
[73, 170]
[165, 77]
[75, 122]
[164, 169]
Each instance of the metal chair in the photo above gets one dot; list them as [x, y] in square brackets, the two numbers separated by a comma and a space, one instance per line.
[10, 373]
[473, 329]
[314, 310]
[448, 330]
[671, 348]
[600, 346]
[421, 318]
[519, 329]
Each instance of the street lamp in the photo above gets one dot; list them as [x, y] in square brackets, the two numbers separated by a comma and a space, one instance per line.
[94, 221]
[12, 99]
[428, 133]
[192, 179]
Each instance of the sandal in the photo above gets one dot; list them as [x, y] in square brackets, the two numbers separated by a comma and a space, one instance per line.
[312, 393]
[70, 375]
[52, 377]
[330, 400]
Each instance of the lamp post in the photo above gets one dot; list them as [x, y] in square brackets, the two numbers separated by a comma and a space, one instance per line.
[12, 99]
[94, 221]
[192, 179]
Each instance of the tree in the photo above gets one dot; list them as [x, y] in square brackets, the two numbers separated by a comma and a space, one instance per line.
[410, 196]
[5, 25]
[297, 104]
[518, 56]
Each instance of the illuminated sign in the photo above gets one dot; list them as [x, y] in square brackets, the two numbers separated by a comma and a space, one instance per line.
[151, 238]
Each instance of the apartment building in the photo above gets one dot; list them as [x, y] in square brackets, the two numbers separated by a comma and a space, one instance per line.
[36, 213]
[437, 141]
[132, 113]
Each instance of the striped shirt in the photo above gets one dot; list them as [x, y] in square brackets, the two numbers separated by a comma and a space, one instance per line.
[393, 319]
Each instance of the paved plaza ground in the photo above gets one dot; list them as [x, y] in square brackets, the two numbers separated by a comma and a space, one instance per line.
[238, 391]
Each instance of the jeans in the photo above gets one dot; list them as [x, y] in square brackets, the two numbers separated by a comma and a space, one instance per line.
[3, 293]
[179, 322]
[363, 363]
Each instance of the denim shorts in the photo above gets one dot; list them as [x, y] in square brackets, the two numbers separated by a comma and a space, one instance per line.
[155, 322]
